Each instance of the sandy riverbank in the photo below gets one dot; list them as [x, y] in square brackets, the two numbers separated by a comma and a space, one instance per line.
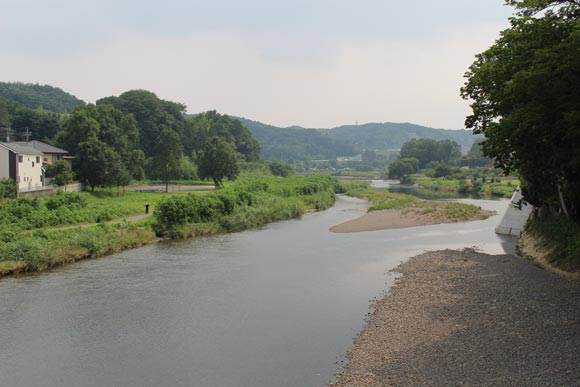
[392, 219]
[470, 319]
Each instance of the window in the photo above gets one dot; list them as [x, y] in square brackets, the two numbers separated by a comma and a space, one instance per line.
[33, 164]
[38, 159]
[46, 159]
[19, 159]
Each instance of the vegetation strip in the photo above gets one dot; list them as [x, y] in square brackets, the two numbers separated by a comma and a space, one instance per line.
[249, 202]
[427, 211]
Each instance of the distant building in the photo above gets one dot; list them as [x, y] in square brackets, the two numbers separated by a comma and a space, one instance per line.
[24, 161]
[344, 159]
[23, 164]
[51, 154]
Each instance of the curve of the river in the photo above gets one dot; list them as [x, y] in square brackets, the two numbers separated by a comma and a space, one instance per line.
[275, 307]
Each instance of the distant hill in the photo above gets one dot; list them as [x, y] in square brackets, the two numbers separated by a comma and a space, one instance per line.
[393, 135]
[33, 96]
[297, 143]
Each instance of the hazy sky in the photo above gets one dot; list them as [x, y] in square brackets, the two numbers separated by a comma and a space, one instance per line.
[315, 63]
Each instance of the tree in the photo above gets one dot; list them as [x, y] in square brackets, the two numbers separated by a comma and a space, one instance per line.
[427, 150]
[402, 168]
[525, 93]
[278, 168]
[168, 153]
[91, 163]
[203, 126]
[61, 172]
[218, 161]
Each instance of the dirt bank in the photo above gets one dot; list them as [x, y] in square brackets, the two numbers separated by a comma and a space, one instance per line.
[470, 319]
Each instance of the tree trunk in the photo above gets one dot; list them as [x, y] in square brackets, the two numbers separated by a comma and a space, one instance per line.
[562, 201]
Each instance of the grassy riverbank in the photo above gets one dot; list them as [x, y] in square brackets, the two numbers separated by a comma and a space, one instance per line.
[498, 188]
[29, 240]
[382, 200]
[554, 244]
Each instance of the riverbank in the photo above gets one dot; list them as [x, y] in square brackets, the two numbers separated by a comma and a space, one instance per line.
[412, 217]
[393, 210]
[471, 319]
[248, 203]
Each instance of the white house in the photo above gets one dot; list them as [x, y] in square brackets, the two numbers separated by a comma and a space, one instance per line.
[22, 163]
[51, 154]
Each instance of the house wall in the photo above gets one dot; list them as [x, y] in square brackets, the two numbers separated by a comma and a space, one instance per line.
[51, 158]
[4, 163]
[29, 171]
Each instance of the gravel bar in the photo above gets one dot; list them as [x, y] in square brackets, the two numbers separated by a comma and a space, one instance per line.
[463, 318]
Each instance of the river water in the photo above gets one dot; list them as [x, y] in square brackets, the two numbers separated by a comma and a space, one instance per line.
[276, 307]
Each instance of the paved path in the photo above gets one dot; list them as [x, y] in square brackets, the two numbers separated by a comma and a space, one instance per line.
[470, 319]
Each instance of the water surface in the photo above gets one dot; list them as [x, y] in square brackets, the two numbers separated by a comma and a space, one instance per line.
[275, 307]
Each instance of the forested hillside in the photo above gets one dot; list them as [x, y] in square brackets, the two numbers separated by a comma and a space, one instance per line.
[296, 143]
[34, 96]
[393, 135]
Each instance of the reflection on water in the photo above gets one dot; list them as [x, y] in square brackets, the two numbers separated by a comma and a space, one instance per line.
[272, 307]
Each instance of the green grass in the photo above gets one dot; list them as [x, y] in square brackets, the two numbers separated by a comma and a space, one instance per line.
[383, 200]
[561, 237]
[499, 188]
[251, 201]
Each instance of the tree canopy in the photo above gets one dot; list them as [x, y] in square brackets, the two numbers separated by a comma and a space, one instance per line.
[525, 93]
[104, 142]
[201, 127]
[218, 160]
[427, 150]
[33, 96]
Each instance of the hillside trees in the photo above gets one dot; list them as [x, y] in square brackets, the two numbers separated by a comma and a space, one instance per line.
[33, 96]
[151, 115]
[525, 93]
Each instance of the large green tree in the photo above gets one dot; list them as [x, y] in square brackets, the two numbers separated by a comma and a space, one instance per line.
[201, 127]
[111, 137]
[151, 114]
[525, 93]
[166, 163]
[218, 160]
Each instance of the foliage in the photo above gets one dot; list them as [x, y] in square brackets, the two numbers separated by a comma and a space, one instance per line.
[166, 164]
[40, 123]
[383, 200]
[278, 168]
[401, 169]
[296, 143]
[151, 115]
[492, 186]
[561, 237]
[525, 92]
[218, 161]
[427, 150]
[7, 188]
[33, 96]
[104, 141]
[249, 202]
[202, 127]
[61, 171]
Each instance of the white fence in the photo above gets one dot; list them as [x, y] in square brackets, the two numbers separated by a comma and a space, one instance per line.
[50, 189]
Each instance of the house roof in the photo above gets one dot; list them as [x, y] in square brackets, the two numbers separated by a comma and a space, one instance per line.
[21, 149]
[41, 146]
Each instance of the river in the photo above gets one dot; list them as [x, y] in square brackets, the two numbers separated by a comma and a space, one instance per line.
[275, 307]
